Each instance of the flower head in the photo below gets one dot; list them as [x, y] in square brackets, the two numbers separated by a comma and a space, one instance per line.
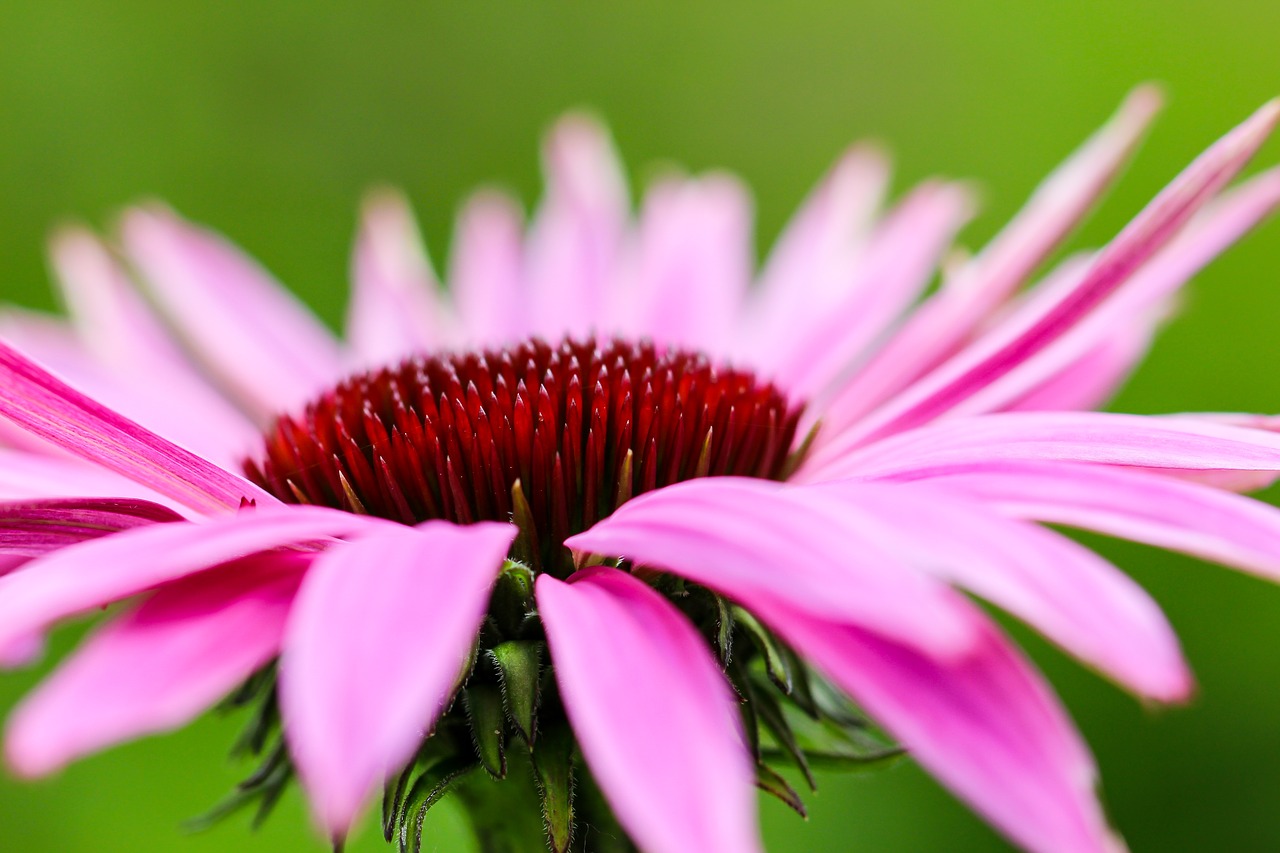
[606, 517]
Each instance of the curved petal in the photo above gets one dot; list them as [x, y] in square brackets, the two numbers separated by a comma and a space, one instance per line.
[121, 333]
[999, 352]
[27, 476]
[81, 577]
[372, 653]
[577, 233]
[985, 725]
[898, 264]
[1221, 224]
[751, 539]
[486, 272]
[394, 309]
[947, 320]
[692, 264]
[42, 404]
[247, 329]
[652, 712]
[1073, 596]
[1132, 504]
[158, 666]
[32, 528]
[1134, 440]
[812, 263]
[1093, 378]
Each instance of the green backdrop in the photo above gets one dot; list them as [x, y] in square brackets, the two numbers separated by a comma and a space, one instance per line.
[269, 120]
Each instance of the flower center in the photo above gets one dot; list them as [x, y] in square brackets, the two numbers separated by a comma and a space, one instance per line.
[554, 438]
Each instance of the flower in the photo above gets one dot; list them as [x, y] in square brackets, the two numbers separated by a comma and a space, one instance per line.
[604, 511]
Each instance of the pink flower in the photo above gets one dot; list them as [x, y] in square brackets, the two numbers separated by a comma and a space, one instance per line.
[615, 508]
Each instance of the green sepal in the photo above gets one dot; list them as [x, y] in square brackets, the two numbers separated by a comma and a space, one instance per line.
[553, 770]
[512, 599]
[724, 630]
[741, 681]
[265, 786]
[836, 745]
[519, 666]
[432, 784]
[801, 684]
[488, 726]
[776, 660]
[769, 781]
[770, 713]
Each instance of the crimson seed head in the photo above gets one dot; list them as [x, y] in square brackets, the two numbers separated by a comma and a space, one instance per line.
[554, 437]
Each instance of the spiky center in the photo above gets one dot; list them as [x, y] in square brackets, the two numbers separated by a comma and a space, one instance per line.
[554, 438]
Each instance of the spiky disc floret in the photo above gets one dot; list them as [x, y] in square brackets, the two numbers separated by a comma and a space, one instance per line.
[581, 427]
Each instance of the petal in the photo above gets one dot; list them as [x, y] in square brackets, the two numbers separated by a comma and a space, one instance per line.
[247, 329]
[373, 651]
[692, 264]
[995, 354]
[82, 577]
[985, 725]
[1093, 378]
[158, 666]
[1158, 281]
[44, 405]
[577, 233]
[26, 475]
[32, 528]
[899, 262]
[487, 269]
[812, 263]
[656, 720]
[947, 319]
[751, 539]
[1073, 596]
[1132, 504]
[1113, 439]
[121, 333]
[394, 310]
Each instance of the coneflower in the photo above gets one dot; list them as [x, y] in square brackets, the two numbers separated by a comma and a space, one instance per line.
[603, 534]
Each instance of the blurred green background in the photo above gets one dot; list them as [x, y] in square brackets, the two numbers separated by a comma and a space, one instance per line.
[269, 120]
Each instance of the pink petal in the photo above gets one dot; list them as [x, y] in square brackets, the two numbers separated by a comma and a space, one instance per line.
[32, 528]
[158, 666]
[246, 328]
[899, 262]
[752, 539]
[577, 233]
[394, 308]
[811, 265]
[40, 403]
[1218, 227]
[1093, 378]
[81, 577]
[487, 269]
[1077, 599]
[373, 651]
[1001, 351]
[692, 265]
[985, 725]
[947, 320]
[1132, 504]
[121, 334]
[652, 712]
[1113, 439]
[25, 475]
